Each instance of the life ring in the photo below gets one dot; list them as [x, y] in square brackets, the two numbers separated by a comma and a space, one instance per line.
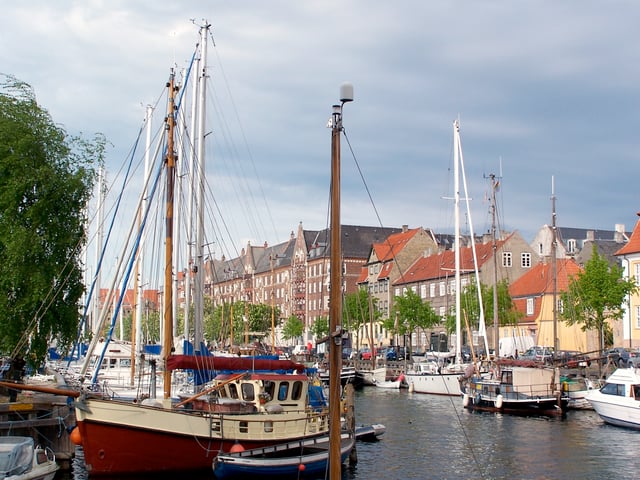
[498, 402]
[465, 400]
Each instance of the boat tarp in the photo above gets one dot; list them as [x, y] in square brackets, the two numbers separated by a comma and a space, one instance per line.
[197, 362]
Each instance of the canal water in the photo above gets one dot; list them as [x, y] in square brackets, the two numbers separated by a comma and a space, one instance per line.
[431, 437]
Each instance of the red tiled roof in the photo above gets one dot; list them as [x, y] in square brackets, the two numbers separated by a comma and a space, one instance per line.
[443, 264]
[364, 275]
[633, 245]
[388, 249]
[539, 280]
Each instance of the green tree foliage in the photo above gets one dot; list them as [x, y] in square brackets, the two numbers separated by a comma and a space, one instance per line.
[46, 180]
[320, 327]
[292, 328]
[410, 313]
[470, 307]
[360, 309]
[596, 295]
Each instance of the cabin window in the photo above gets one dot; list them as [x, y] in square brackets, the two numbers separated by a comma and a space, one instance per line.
[283, 390]
[636, 392]
[507, 377]
[233, 390]
[296, 391]
[244, 427]
[613, 389]
[248, 393]
[269, 387]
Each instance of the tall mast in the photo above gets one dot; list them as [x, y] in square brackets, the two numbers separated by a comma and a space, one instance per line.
[494, 248]
[167, 344]
[456, 242]
[198, 284]
[554, 267]
[335, 295]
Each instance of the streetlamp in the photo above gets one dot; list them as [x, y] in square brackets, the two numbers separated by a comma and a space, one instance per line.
[335, 298]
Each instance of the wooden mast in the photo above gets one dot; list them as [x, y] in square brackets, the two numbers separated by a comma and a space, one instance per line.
[335, 297]
[167, 344]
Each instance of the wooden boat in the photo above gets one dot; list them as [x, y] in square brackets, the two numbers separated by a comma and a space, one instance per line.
[274, 404]
[299, 459]
[20, 459]
[618, 401]
[516, 387]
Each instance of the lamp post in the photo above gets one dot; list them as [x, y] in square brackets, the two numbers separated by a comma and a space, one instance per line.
[335, 298]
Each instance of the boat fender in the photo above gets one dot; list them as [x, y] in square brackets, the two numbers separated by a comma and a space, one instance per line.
[411, 387]
[465, 400]
[75, 436]
[237, 447]
[499, 401]
[301, 467]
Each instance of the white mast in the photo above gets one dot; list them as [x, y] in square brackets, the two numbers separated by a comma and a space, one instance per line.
[456, 244]
[198, 305]
[99, 245]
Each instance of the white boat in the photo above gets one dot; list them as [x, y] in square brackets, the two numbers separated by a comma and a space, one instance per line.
[371, 377]
[443, 376]
[392, 384]
[618, 401]
[20, 459]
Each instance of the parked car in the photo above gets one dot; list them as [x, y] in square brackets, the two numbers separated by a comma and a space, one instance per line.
[572, 359]
[538, 353]
[346, 353]
[619, 356]
[364, 353]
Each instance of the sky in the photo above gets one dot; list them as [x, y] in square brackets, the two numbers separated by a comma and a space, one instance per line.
[546, 92]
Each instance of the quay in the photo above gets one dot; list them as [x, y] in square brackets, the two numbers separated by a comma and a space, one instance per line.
[47, 418]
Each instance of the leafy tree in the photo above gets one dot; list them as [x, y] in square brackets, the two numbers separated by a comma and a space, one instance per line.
[595, 295]
[293, 328]
[410, 313]
[507, 313]
[358, 309]
[46, 179]
[320, 327]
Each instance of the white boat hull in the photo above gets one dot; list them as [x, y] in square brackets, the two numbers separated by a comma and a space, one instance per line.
[623, 407]
[434, 383]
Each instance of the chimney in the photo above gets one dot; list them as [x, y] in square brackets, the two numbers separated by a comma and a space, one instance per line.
[619, 235]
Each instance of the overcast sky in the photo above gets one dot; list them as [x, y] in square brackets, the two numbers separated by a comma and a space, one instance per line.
[542, 89]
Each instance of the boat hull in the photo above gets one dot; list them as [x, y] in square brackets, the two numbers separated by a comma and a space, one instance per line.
[128, 438]
[302, 459]
[619, 405]
[435, 383]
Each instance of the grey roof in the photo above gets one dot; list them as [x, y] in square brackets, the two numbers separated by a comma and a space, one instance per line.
[566, 233]
[356, 240]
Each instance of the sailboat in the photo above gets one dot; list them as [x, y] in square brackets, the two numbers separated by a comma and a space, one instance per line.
[519, 386]
[264, 402]
[437, 374]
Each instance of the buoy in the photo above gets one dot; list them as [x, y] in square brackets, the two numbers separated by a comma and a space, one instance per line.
[465, 400]
[237, 448]
[75, 437]
[499, 401]
[301, 467]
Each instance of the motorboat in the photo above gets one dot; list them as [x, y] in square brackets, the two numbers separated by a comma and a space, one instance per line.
[618, 401]
[21, 459]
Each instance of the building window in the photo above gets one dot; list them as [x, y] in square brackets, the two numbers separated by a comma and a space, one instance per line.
[530, 306]
[637, 316]
[571, 246]
[397, 291]
[507, 260]
[443, 289]
[525, 260]
[423, 291]
[432, 290]
[637, 273]
[540, 249]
